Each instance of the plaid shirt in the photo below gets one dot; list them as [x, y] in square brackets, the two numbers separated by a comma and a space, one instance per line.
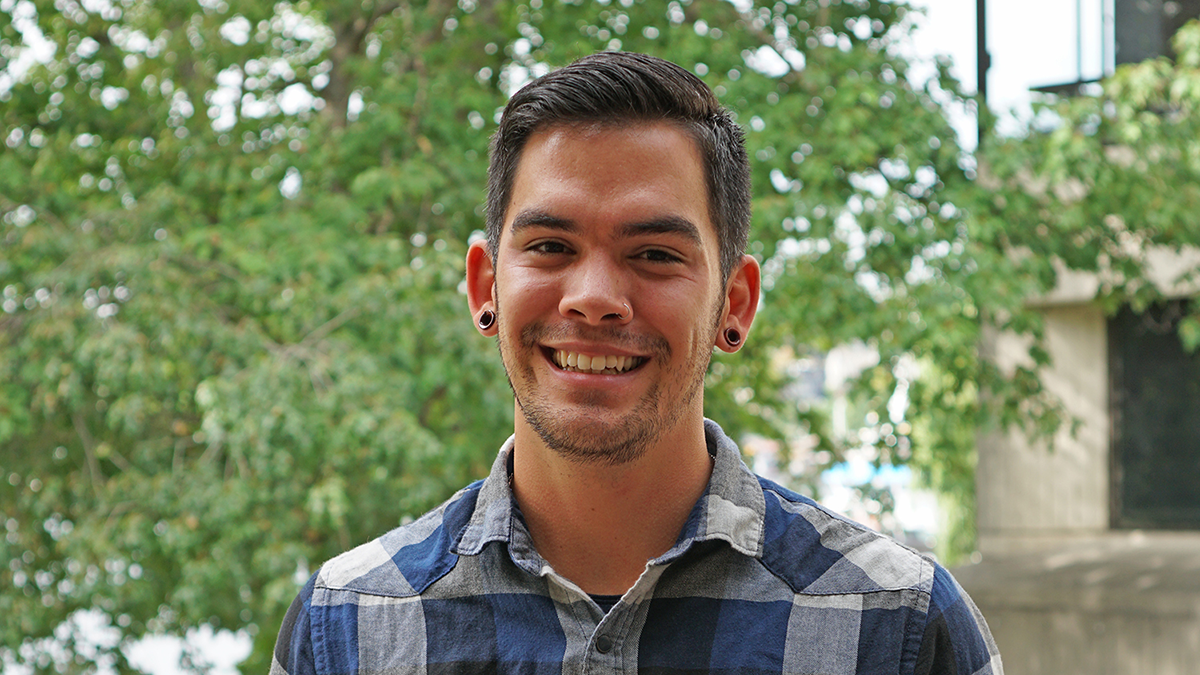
[761, 580]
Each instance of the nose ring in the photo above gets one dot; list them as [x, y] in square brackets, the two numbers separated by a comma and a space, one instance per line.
[628, 312]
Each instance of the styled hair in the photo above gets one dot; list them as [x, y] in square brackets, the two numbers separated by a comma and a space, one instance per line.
[617, 89]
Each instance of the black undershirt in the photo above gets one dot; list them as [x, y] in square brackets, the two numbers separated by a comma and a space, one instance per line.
[606, 602]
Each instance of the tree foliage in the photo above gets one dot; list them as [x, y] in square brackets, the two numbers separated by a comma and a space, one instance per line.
[1101, 184]
[233, 342]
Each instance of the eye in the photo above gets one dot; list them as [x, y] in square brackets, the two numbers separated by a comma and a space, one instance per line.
[550, 247]
[658, 255]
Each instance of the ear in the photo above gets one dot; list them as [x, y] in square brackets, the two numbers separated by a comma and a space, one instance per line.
[481, 284]
[741, 303]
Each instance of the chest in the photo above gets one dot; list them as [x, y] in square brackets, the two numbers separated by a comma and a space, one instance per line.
[746, 624]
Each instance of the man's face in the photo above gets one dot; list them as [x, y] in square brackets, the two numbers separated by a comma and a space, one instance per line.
[608, 255]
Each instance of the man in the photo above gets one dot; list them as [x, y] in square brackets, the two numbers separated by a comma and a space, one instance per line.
[619, 529]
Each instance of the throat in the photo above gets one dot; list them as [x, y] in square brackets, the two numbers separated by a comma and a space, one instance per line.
[599, 524]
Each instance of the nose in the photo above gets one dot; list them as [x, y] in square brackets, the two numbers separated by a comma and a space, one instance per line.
[594, 293]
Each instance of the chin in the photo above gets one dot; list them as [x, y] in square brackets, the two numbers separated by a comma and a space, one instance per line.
[610, 442]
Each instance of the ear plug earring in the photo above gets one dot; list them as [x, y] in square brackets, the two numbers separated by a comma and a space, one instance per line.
[487, 319]
[733, 337]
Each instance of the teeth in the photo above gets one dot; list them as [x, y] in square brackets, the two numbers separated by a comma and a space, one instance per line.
[595, 364]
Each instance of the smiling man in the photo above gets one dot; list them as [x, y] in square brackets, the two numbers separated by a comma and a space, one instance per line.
[619, 530]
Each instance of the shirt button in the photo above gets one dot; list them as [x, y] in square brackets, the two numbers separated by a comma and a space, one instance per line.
[604, 644]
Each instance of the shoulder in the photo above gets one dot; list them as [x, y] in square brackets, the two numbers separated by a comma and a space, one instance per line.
[293, 653]
[384, 573]
[956, 637]
[407, 559]
[818, 551]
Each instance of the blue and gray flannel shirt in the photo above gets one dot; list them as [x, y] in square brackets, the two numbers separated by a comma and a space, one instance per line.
[761, 580]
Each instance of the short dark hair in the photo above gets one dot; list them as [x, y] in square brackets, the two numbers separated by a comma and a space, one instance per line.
[620, 88]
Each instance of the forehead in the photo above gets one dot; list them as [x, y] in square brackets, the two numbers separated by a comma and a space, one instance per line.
[603, 173]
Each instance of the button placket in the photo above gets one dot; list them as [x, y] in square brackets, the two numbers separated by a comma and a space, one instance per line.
[604, 644]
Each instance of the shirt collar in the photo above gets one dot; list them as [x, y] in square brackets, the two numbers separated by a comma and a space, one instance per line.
[731, 509]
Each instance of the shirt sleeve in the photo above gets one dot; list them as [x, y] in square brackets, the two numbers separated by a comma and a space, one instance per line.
[293, 648]
[956, 639]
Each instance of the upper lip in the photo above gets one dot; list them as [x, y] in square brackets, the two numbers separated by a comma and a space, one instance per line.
[591, 349]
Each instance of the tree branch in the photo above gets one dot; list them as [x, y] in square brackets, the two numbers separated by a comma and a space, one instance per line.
[85, 437]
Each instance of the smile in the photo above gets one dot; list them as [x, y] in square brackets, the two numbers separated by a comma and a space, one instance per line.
[583, 363]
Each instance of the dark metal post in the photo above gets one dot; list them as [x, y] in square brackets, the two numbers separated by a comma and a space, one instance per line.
[982, 60]
[1079, 39]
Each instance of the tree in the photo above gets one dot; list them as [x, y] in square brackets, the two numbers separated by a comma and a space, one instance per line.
[232, 342]
[228, 340]
[1100, 183]
[1103, 183]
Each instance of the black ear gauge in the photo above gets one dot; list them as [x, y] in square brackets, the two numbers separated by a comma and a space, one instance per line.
[487, 319]
[733, 337]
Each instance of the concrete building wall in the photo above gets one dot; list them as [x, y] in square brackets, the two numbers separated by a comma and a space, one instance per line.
[1124, 603]
[1064, 593]
[1032, 491]
[1028, 494]
[1095, 644]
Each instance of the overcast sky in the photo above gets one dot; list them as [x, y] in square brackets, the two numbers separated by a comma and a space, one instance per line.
[1031, 42]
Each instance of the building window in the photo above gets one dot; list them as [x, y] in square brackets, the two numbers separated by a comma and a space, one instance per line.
[1143, 28]
[1156, 420]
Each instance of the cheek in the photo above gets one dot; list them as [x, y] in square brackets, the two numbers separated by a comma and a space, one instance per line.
[687, 323]
[519, 293]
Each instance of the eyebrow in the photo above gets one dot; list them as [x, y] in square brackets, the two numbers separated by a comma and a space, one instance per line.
[674, 225]
[665, 225]
[535, 218]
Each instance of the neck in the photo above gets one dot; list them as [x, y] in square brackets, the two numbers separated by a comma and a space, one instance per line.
[597, 524]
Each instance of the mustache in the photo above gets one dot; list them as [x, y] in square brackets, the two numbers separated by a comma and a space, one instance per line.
[655, 346]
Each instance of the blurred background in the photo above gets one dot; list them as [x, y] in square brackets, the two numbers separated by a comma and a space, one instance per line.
[234, 343]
